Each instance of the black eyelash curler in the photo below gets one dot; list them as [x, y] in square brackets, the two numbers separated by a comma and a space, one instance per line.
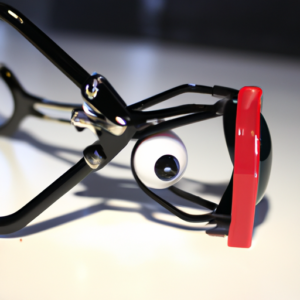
[115, 124]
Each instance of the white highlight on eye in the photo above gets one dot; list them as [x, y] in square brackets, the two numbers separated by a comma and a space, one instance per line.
[153, 148]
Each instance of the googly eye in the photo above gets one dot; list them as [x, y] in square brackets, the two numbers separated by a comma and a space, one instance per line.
[160, 160]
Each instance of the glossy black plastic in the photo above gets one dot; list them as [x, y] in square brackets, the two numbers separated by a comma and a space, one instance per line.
[166, 167]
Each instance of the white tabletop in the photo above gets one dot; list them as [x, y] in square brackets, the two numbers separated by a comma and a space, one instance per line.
[106, 239]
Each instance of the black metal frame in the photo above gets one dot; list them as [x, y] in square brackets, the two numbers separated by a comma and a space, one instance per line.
[113, 121]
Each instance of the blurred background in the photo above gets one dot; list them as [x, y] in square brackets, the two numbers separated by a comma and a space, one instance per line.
[261, 26]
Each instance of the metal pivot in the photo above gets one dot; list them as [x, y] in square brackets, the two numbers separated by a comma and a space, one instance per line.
[95, 157]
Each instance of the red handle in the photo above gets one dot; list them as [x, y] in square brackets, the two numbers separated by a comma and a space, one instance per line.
[246, 167]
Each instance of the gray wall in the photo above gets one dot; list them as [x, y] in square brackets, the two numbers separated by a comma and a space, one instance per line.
[263, 26]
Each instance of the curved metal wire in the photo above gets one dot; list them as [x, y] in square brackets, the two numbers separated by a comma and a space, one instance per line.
[171, 208]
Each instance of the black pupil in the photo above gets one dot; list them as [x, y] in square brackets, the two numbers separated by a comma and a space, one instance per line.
[166, 167]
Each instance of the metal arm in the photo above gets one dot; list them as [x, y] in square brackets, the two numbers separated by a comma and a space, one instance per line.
[41, 202]
[26, 104]
[178, 90]
[44, 44]
[174, 123]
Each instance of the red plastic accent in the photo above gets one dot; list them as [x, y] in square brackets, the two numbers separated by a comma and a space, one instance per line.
[246, 167]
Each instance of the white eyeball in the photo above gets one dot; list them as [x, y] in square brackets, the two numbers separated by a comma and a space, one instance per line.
[160, 160]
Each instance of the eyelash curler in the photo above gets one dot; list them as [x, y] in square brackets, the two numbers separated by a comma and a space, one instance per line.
[159, 157]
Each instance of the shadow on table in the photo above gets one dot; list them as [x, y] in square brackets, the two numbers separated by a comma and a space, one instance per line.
[98, 186]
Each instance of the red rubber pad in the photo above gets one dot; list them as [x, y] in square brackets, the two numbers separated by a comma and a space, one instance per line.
[246, 167]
